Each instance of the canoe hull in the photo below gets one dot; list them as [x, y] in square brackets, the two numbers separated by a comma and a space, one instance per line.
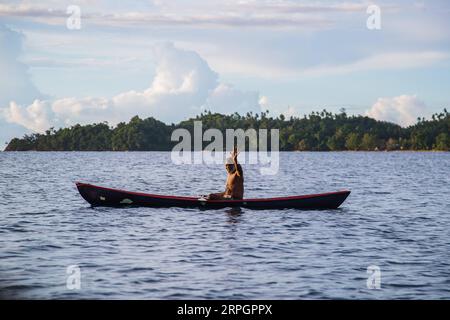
[100, 196]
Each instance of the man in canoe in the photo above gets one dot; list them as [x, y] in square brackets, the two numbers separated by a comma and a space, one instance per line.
[234, 188]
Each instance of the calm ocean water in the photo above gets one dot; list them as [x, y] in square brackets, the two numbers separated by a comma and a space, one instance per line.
[397, 218]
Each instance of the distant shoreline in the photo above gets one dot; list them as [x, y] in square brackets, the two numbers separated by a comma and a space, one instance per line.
[284, 151]
[319, 131]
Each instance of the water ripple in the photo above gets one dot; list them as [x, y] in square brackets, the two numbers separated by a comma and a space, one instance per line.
[396, 218]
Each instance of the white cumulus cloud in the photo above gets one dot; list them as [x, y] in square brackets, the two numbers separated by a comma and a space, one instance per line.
[35, 117]
[15, 83]
[183, 85]
[264, 102]
[402, 110]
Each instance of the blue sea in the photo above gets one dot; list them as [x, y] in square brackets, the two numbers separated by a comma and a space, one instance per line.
[396, 221]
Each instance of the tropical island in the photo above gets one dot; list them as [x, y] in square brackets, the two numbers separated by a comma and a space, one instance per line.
[318, 131]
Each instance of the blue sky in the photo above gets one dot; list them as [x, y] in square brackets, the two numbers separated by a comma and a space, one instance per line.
[173, 59]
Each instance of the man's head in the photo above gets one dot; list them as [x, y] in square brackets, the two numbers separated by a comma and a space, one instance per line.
[229, 165]
[230, 168]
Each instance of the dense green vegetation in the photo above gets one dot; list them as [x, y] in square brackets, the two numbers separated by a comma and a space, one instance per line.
[319, 131]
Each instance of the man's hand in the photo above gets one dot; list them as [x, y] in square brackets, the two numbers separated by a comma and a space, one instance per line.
[234, 155]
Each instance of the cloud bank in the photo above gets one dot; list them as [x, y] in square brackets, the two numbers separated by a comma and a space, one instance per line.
[15, 81]
[403, 110]
[214, 14]
[182, 87]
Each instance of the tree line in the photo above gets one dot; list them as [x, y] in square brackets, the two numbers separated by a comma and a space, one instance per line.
[318, 131]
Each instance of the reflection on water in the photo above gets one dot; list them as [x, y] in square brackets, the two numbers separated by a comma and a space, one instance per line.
[233, 214]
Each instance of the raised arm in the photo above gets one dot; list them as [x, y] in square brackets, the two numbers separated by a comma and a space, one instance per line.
[234, 156]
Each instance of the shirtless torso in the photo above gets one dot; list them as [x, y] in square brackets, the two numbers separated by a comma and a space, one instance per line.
[234, 188]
